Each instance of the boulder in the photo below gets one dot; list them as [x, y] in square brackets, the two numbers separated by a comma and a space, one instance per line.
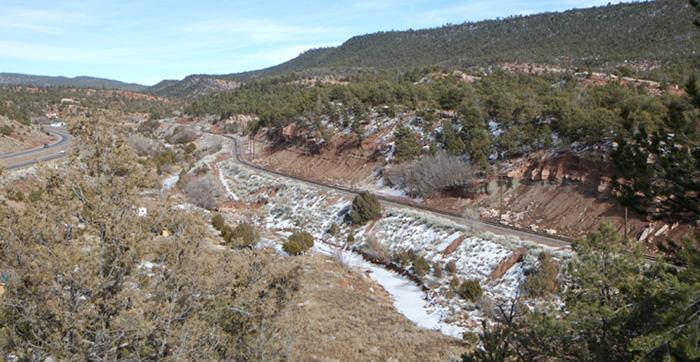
[502, 268]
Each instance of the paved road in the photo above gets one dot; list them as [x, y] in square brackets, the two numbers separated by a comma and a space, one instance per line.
[20, 159]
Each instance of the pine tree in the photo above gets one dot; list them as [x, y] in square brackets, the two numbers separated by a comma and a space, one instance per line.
[365, 207]
[406, 143]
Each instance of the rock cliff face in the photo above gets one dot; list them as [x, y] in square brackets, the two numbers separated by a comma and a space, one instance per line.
[568, 195]
[560, 168]
[564, 194]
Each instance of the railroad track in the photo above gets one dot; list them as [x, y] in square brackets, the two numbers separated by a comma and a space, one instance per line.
[556, 241]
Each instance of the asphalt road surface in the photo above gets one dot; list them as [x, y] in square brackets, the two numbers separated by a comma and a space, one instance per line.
[20, 159]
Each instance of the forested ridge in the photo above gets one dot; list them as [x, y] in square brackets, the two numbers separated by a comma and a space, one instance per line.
[22, 103]
[79, 82]
[658, 32]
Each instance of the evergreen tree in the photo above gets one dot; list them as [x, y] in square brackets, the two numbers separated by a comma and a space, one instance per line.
[616, 308]
[406, 144]
[453, 143]
[365, 207]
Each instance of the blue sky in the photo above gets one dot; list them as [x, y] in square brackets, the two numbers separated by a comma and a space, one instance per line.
[150, 40]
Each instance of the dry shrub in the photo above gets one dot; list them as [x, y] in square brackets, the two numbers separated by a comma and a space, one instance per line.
[451, 267]
[470, 290]
[365, 207]
[437, 270]
[5, 130]
[202, 191]
[218, 222]
[181, 135]
[433, 174]
[420, 265]
[376, 248]
[144, 146]
[207, 150]
[298, 243]
[15, 195]
[334, 229]
[243, 235]
[149, 126]
[542, 282]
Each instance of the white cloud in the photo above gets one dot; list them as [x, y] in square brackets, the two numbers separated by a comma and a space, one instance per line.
[46, 22]
[261, 30]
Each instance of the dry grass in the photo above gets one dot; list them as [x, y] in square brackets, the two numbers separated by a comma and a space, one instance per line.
[341, 315]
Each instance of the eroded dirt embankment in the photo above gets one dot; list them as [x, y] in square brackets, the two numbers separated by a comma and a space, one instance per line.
[345, 161]
[556, 193]
[15, 136]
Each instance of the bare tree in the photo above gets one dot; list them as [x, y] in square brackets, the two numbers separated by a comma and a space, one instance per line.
[433, 174]
[144, 146]
[203, 191]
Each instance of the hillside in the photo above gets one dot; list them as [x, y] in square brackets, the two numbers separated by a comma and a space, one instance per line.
[655, 32]
[648, 35]
[79, 82]
[22, 103]
[192, 86]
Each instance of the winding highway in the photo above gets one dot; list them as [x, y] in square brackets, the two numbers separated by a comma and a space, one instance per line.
[55, 150]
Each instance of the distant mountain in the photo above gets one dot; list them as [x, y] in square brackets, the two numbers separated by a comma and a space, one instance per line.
[193, 86]
[76, 82]
[645, 33]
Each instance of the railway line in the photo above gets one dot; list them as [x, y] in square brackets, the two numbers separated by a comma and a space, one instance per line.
[542, 239]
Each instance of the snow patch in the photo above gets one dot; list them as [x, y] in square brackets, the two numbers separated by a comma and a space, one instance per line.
[231, 195]
[407, 297]
[170, 182]
[292, 205]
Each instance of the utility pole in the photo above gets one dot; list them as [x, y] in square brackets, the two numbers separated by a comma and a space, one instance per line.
[625, 223]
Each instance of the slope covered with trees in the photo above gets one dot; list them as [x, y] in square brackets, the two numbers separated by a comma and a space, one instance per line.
[21, 103]
[645, 33]
[192, 86]
[615, 308]
[76, 82]
[657, 37]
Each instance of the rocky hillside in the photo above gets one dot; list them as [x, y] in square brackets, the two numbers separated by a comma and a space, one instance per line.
[79, 82]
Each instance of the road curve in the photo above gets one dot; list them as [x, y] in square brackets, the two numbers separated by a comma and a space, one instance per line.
[20, 159]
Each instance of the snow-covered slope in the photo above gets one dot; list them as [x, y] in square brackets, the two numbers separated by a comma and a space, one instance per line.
[288, 205]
